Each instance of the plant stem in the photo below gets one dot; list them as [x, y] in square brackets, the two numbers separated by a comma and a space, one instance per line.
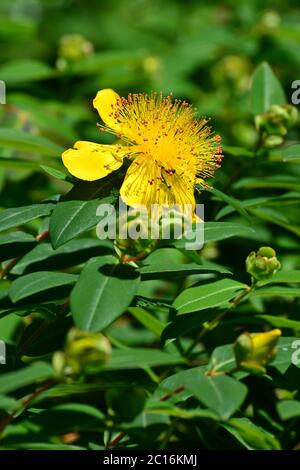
[234, 303]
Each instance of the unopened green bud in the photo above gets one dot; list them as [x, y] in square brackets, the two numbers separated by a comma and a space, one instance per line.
[292, 113]
[274, 124]
[59, 363]
[273, 141]
[73, 48]
[86, 352]
[152, 64]
[267, 252]
[263, 264]
[253, 351]
[134, 240]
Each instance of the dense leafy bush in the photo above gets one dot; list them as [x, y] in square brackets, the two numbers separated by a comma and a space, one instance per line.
[149, 345]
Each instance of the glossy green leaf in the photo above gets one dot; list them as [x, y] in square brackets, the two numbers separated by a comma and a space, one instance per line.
[43, 257]
[15, 244]
[288, 409]
[207, 296]
[215, 231]
[156, 271]
[141, 357]
[147, 319]
[251, 436]
[21, 215]
[282, 277]
[291, 153]
[28, 375]
[222, 394]
[287, 182]
[266, 90]
[94, 302]
[273, 291]
[35, 283]
[70, 219]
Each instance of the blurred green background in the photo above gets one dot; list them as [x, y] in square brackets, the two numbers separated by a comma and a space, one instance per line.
[56, 54]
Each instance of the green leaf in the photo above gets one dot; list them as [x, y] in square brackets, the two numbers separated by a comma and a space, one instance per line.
[174, 382]
[285, 349]
[247, 203]
[215, 231]
[291, 153]
[251, 436]
[237, 151]
[94, 303]
[44, 258]
[15, 244]
[291, 277]
[185, 323]
[222, 359]
[271, 215]
[169, 410]
[70, 219]
[275, 291]
[68, 417]
[287, 182]
[48, 116]
[55, 173]
[18, 164]
[35, 283]
[156, 271]
[231, 201]
[8, 404]
[25, 70]
[141, 357]
[146, 319]
[21, 215]
[103, 60]
[288, 409]
[20, 140]
[28, 375]
[266, 90]
[222, 394]
[280, 322]
[207, 296]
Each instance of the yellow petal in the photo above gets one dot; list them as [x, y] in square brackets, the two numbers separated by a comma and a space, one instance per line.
[147, 183]
[89, 161]
[106, 102]
[265, 340]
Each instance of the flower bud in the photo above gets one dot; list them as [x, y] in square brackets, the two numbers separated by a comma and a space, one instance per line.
[152, 65]
[292, 113]
[73, 48]
[273, 141]
[254, 350]
[274, 124]
[263, 264]
[59, 363]
[84, 352]
[134, 238]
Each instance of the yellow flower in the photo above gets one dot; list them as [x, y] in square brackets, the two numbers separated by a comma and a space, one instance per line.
[254, 350]
[170, 149]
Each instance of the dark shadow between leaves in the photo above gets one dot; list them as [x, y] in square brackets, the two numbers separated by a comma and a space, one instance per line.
[119, 271]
